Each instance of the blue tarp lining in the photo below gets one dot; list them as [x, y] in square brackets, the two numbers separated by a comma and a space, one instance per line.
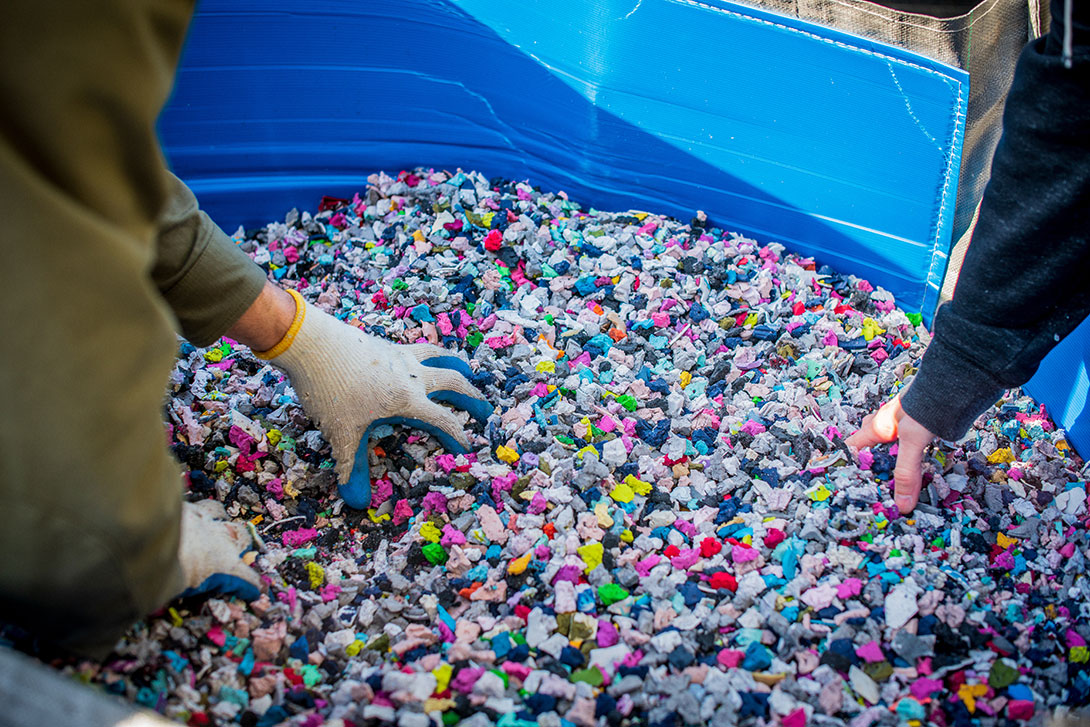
[839, 147]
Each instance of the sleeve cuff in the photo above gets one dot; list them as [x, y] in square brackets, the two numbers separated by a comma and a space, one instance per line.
[949, 392]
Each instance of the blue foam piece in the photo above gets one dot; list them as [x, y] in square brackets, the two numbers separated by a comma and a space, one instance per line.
[838, 147]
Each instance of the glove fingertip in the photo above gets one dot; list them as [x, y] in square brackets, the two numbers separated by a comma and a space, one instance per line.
[448, 441]
[479, 409]
[356, 493]
[224, 584]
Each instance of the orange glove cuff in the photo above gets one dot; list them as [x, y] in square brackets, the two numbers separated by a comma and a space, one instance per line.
[285, 343]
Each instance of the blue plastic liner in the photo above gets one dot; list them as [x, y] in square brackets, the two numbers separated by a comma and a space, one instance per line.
[838, 147]
[1062, 384]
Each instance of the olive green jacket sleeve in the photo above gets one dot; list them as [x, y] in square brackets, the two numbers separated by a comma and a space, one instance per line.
[201, 273]
[90, 494]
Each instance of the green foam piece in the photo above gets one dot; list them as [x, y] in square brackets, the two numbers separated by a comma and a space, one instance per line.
[592, 676]
[610, 593]
[435, 554]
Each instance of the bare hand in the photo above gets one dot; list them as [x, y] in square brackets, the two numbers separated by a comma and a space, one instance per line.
[891, 423]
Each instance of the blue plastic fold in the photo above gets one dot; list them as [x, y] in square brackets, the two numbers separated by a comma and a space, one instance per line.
[838, 147]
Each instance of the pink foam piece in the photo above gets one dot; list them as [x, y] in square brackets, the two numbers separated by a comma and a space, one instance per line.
[1020, 709]
[871, 652]
[751, 427]
[848, 588]
[730, 658]
[742, 554]
[297, 538]
[923, 688]
[795, 719]
[686, 558]
[643, 567]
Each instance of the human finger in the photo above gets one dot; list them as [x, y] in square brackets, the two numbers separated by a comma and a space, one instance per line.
[908, 472]
[877, 428]
[356, 488]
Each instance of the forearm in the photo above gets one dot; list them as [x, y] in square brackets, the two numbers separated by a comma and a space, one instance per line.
[1022, 288]
[265, 322]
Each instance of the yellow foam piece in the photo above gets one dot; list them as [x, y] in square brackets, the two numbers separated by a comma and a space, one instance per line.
[871, 329]
[507, 454]
[585, 450]
[638, 486]
[968, 693]
[442, 673]
[622, 492]
[429, 532]
[519, 565]
[431, 704]
[375, 518]
[316, 574]
[591, 555]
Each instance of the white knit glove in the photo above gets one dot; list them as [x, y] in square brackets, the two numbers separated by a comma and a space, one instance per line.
[349, 382]
[210, 553]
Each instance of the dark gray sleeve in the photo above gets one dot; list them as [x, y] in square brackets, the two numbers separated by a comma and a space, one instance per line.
[1025, 283]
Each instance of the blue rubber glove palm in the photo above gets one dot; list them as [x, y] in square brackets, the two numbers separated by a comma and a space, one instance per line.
[350, 383]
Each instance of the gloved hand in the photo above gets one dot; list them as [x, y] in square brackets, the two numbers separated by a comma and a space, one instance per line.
[888, 423]
[349, 383]
[210, 553]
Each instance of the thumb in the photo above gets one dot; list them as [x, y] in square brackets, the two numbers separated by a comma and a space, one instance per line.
[908, 472]
[879, 427]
